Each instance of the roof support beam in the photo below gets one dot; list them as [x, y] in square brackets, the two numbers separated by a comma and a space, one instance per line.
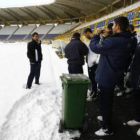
[23, 10]
[5, 21]
[107, 1]
[98, 2]
[70, 9]
[9, 13]
[79, 5]
[69, 15]
[35, 15]
[53, 14]
[45, 11]
[16, 15]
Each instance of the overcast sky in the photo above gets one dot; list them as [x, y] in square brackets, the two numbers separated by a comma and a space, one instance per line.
[20, 3]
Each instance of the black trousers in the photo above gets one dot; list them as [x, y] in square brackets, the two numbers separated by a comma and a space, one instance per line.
[91, 73]
[34, 73]
[106, 103]
[75, 69]
[121, 84]
[136, 102]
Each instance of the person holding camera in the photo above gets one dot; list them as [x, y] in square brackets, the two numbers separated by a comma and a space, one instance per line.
[114, 51]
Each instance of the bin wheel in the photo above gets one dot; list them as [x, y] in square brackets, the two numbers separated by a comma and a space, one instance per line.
[61, 127]
[85, 126]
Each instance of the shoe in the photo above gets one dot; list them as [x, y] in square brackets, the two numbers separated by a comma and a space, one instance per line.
[88, 93]
[92, 97]
[128, 90]
[133, 123]
[120, 94]
[37, 83]
[103, 132]
[138, 132]
[100, 118]
[26, 87]
[116, 89]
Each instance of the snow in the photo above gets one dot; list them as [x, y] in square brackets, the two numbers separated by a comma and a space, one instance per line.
[31, 114]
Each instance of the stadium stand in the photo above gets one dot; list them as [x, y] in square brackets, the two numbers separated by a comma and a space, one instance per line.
[58, 30]
[131, 12]
[6, 31]
[64, 31]
[137, 24]
[22, 32]
[42, 30]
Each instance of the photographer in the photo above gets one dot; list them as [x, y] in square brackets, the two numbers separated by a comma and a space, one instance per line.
[114, 51]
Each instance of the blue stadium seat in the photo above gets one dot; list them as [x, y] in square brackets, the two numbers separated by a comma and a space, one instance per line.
[30, 36]
[92, 27]
[50, 36]
[130, 16]
[101, 24]
[138, 20]
[3, 37]
[112, 19]
[17, 37]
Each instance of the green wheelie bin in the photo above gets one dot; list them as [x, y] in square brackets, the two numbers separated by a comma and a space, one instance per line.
[75, 88]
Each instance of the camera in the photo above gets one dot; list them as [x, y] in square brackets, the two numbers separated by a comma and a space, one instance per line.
[102, 31]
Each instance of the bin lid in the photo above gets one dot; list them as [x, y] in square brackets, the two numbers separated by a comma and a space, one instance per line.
[75, 78]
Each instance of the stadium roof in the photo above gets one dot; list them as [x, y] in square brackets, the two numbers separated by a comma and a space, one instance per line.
[60, 11]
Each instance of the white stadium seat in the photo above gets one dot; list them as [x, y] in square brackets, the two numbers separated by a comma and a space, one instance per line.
[24, 30]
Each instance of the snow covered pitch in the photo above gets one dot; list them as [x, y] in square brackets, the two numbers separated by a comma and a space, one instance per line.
[30, 114]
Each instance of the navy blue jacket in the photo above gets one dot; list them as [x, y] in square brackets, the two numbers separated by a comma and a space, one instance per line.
[134, 43]
[75, 52]
[133, 50]
[115, 51]
[135, 70]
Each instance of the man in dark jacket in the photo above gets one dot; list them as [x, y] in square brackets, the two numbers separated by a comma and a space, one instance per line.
[135, 83]
[34, 54]
[134, 38]
[114, 52]
[75, 52]
[133, 49]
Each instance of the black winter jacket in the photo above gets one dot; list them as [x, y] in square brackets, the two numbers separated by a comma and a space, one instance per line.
[75, 52]
[31, 51]
[135, 70]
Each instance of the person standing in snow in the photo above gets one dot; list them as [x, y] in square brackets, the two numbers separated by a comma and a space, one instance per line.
[75, 52]
[34, 53]
[92, 62]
